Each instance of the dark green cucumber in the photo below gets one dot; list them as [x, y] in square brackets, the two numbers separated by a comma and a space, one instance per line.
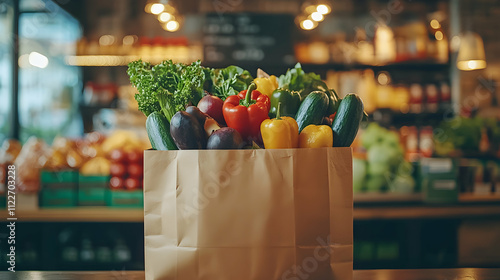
[347, 120]
[158, 130]
[312, 109]
[334, 102]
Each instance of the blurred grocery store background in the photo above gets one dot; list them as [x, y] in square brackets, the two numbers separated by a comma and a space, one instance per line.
[427, 163]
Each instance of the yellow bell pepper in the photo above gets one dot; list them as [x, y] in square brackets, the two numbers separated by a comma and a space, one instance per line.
[274, 81]
[316, 136]
[266, 86]
[280, 133]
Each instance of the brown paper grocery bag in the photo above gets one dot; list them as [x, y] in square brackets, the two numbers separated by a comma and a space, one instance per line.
[248, 214]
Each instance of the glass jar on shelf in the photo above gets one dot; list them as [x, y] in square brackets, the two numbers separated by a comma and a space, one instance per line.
[401, 100]
[416, 98]
[431, 98]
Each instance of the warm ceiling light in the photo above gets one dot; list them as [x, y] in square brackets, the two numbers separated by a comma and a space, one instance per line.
[309, 9]
[383, 78]
[147, 8]
[439, 35]
[106, 40]
[470, 65]
[307, 24]
[323, 9]
[435, 24]
[157, 8]
[38, 60]
[172, 26]
[164, 17]
[129, 40]
[317, 16]
[471, 54]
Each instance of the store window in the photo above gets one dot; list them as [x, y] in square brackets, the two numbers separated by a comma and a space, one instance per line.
[49, 89]
[6, 47]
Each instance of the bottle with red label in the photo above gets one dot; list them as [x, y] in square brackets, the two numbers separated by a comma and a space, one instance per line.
[426, 143]
[416, 98]
[432, 98]
[410, 136]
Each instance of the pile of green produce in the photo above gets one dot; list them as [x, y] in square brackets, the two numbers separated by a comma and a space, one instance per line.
[385, 168]
[464, 134]
[194, 107]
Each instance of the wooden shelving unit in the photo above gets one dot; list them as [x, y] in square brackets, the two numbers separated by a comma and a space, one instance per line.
[416, 65]
[79, 214]
[470, 197]
[360, 198]
[425, 212]
[400, 198]
[363, 213]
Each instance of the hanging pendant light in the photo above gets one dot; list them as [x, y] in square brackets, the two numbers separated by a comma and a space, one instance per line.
[471, 52]
[166, 13]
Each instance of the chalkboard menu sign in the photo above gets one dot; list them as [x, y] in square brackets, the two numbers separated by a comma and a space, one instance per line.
[248, 39]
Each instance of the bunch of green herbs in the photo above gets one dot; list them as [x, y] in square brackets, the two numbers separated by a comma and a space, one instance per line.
[167, 87]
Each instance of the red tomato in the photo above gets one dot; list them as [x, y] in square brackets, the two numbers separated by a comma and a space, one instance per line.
[135, 170]
[118, 155]
[135, 157]
[132, 183]
[116, 183]
[118, 169]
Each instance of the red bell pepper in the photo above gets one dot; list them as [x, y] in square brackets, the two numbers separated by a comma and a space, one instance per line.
[246, 111]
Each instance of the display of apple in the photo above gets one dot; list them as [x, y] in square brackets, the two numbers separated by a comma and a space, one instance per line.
[117, 155]
[212, 106]
[135, 170]
[118, 169]
[116, 183]
[135, 157]
[132, 183]
[126, 169]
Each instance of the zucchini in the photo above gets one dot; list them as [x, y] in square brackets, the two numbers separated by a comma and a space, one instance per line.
[312, 109]
[347, 120]
[158, 129]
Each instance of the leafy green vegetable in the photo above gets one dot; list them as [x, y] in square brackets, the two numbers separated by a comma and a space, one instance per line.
[386, 166]
[464, 134]
[142, 78]
[229, 81]
[359, 171]
[458, 133]
[298, 80]
[167, 87]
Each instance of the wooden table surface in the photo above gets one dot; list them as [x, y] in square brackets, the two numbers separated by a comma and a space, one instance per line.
[418, 274]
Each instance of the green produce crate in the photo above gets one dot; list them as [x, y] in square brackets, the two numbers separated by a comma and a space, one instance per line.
[47, 178]
[119, 198]
[439, 180]
[58, 198]
[92, 190]
[59, 189]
